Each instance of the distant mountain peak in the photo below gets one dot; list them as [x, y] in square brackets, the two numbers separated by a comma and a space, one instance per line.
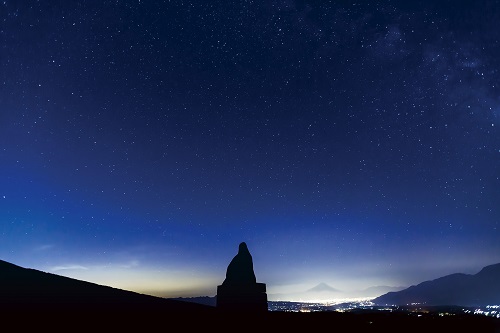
[322, 287]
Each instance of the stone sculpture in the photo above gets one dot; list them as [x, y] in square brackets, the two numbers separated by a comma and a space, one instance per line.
[239, 292]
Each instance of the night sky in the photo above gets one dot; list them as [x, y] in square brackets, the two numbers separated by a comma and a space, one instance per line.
[356, 144]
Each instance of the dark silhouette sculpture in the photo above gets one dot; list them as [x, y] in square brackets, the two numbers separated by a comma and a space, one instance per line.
[239, 292]
[240, 269]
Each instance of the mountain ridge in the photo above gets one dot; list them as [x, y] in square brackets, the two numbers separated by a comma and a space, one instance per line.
[478, 289]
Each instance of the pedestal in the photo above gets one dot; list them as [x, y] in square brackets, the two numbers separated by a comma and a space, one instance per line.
[242, 297]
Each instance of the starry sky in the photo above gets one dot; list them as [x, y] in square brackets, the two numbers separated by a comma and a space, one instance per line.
[345, 142]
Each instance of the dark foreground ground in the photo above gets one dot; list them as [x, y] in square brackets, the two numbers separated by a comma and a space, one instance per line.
[154, 319]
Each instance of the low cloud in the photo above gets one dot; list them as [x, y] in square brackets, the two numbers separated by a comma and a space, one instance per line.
[68, 267]
[44, 247]
[130, 264]
[127, 265]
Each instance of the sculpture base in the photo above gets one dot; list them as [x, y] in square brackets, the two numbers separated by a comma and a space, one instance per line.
[242, 298]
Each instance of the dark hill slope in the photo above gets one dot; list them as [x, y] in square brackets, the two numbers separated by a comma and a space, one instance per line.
[36, 291]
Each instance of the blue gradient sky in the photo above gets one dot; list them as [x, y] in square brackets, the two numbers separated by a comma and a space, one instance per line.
[346, 143]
